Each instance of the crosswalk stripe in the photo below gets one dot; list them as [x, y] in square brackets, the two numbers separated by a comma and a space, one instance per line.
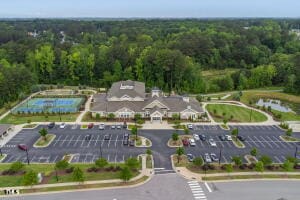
[192, 181]
[196, 189]
[200, 197]
[192, 184]
[197, 192]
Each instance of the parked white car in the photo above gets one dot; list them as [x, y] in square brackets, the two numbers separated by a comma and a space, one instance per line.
[119, 126]
[190, 126]
[192, 142]
[212, 142]
[196, 137]
[207, 158]
[113, 126]
[101, 126]
[62, 125]
[228, 137]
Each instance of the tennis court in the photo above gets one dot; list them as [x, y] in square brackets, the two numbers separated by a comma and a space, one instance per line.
[50, 105]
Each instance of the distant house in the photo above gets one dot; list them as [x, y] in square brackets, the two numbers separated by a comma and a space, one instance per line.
[127, 98]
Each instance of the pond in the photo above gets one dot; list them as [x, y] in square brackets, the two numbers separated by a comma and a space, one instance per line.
[274, 104]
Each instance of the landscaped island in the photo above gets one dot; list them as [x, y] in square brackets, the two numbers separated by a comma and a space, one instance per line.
[233, 113]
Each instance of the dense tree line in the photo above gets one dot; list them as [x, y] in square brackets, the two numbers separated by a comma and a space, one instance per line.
[170, 54]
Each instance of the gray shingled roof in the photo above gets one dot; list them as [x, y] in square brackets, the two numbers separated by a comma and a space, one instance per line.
[137, 91]
[174, 103]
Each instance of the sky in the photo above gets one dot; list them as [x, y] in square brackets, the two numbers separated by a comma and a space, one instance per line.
[148, 8]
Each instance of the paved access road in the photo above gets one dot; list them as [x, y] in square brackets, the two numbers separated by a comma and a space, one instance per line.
[172, 186]
[258, 190]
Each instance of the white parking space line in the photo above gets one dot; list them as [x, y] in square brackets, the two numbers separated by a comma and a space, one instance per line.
[277, 159]
[70, 140]
[54, 160]
[110, 139]
[268, 143]
[116, 141]
[77, 140]
[252, 141]
[259, 141]
[57, 140]
[97, 140]
[83, 140]
[63, 141]
[283, 158]
[273, 142]
[224, 158]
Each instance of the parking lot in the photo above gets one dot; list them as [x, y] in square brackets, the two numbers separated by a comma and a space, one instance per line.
[86, 145]
[265, 138]
[72, 140]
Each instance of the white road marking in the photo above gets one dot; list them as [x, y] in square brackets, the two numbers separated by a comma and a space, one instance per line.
[116, 141]
[97, 140]
[207, 186]
[70, 141]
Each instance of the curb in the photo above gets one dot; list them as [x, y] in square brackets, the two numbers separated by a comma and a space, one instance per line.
[35, 146]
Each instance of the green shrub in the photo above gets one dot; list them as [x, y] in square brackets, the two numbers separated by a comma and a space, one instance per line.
[16, 167]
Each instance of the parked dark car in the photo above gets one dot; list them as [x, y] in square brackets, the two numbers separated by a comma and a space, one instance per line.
[124, 125]
[190, 157]
[51, 125]
[90, 126]
[241, 138]
[126, 135]
[107, 137]
[185, 142]
[214, 157]
[202, 137]
[88, 137]
[222, 137]
[125, 141]
[131, 142]
[23, 147]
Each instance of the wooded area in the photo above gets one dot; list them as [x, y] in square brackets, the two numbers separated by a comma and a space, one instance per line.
[169, 54]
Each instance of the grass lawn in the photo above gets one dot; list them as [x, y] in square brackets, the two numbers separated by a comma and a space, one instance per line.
[130, 126]
[84, 126]
[149, 162]
[41, 142]
[83, 186]
[237, 142]
[88, 118]
[16, 180]
[29, 125]
[183, 161]
[287, 116]
[212, 73]
[289, 139]
[239, 114]
[21, 119]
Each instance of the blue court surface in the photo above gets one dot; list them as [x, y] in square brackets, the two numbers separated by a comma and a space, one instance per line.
[50, 105]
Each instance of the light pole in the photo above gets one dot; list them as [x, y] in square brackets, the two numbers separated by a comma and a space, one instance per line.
[296, 151]
[56, 176]
[220, 155]
[27, 156]
[100, 148]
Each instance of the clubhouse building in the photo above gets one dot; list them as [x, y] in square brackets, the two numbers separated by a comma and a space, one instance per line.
[126, 98]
